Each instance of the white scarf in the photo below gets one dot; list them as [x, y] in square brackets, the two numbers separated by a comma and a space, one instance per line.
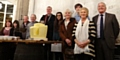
[81, 34]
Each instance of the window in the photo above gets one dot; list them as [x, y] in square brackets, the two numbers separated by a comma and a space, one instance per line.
[6, 12]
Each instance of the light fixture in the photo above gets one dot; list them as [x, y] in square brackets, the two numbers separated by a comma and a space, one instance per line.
[0, 6]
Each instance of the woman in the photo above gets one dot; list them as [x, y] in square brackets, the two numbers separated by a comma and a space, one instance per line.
[66, 28]
[6, 30]
[15, 31]
[5, 48]
[59, 17]
[84, 36]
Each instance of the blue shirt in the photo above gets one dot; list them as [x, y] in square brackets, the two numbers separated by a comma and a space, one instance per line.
[77, 17]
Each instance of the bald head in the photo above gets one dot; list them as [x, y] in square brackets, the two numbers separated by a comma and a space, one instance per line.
[101, 7]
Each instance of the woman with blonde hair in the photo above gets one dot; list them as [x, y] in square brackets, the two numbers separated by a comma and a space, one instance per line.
[66, 28]
[84, 35]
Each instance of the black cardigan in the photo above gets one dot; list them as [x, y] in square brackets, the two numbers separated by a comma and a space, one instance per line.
[92, 37]
[15, 32]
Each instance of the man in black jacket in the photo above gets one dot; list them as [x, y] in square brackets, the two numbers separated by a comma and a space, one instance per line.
[48, 19]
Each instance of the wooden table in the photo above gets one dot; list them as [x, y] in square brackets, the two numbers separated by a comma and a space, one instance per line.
[31, 43]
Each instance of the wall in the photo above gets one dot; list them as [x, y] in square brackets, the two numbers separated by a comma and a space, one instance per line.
[38, 7]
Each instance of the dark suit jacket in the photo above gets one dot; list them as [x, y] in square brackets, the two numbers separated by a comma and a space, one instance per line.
[111, 29]
[67, 34]
[50, 24]
[23, 29]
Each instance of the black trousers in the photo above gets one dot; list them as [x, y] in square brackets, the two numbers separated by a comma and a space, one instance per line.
[57, 56]
[103, 52]
[82, 57]
[48, 55]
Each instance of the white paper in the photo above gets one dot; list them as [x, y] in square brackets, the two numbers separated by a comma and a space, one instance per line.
[56, 47]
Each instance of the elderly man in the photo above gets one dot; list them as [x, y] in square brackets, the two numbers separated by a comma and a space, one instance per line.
[33, 21]
[23, 26]
[48, 19]
[107, 32]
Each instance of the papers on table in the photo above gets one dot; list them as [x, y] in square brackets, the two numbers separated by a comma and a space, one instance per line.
[57, 47]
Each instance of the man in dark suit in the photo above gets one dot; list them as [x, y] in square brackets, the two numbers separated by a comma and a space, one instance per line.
[48, 20]
[107, 32]
[23, 26]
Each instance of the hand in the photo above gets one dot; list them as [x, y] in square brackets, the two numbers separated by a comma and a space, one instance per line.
[55, 43]
[85, 43]
[80, 44]
[68, 42]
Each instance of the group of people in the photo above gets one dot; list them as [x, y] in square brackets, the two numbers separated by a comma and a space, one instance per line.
[83, 39]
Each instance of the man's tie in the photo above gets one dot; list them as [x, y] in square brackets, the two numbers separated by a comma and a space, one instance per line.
[46, 18]
[101, 27]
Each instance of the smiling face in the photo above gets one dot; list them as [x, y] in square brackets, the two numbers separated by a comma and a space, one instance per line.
[58, 16]
[15, 25]
[83, 13]
[49, 10]
[78, 8]
[33, 17]
[8, 24]
[68, 14]
[25, 18]
[101, 7]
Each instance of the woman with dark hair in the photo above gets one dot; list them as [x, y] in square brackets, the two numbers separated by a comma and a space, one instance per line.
[5, 48]
[59, 17]
[15, 31]
[77, 7]
[6, 30]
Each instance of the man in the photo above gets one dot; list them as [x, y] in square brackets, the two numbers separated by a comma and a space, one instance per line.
[107, 32]
[23, 26]
[48, 20]
[33, 21]
[76, 14]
